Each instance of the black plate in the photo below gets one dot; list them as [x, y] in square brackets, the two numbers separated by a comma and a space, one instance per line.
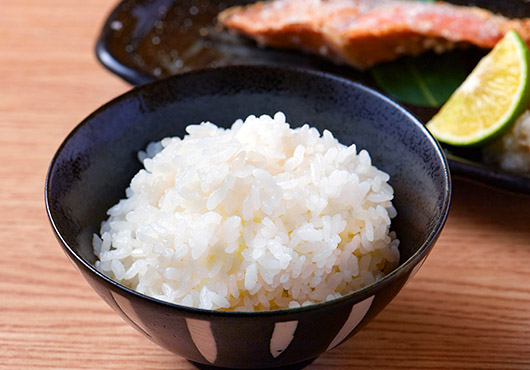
[146, 40]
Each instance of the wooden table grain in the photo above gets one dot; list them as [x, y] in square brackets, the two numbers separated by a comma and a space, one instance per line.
[468, 307]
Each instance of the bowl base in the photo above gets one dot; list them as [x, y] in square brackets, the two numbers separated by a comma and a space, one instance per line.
[297, 366]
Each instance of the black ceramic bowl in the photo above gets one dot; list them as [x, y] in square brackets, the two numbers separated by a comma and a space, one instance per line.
[96, 162]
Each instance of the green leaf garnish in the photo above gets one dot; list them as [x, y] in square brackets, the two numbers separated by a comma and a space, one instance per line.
[427, 80]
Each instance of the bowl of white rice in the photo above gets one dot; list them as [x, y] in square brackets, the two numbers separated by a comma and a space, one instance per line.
[248, 217]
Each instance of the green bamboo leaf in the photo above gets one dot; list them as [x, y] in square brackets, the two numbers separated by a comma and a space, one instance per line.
[427, 80]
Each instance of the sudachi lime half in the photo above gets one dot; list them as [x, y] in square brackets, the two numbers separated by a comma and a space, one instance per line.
[490, 99]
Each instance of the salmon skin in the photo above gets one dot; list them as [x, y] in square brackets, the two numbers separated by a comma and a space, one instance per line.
[366, 32]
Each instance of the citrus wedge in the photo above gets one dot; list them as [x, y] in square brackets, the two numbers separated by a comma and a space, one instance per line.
[490, 99]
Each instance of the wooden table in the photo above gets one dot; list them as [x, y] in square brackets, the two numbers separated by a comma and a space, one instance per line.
[468, 307]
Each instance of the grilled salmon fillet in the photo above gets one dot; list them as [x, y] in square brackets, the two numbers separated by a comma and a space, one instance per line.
[366, 32]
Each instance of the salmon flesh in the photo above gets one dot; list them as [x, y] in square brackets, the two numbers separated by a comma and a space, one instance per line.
[367, 32]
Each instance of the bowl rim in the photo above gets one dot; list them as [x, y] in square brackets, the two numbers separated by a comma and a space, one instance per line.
[363, 293]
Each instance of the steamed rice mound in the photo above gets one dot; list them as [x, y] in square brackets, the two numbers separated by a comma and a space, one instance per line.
[256, 217]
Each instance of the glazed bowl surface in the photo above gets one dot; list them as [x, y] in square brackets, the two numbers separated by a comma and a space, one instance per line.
[96, 162]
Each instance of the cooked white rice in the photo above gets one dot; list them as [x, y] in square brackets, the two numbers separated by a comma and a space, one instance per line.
[256, 217]
[512, 151]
